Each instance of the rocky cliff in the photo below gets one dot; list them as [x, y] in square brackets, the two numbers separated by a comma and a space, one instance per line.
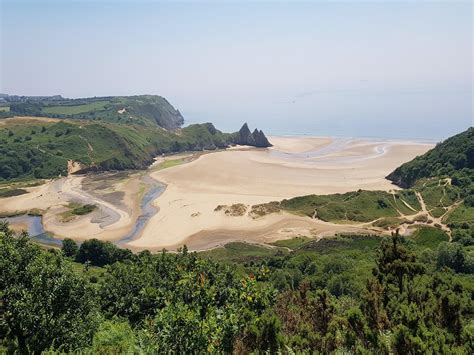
[255, 139]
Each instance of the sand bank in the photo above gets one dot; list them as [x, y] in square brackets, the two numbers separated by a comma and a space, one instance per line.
[108, 222]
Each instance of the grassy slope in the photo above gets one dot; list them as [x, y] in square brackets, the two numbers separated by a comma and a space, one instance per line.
[103, 133]
[106, 133]
[41, 150]
[359, 206]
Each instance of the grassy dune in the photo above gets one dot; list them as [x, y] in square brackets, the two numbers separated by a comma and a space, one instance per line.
[358, 206]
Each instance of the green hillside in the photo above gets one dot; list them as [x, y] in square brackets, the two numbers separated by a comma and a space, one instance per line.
[452, 158]
[100, 133]
[42, 150]
[357, 206]
[147, 110]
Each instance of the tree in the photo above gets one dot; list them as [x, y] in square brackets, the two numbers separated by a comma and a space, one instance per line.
[69, 247]
[44, 302]
[395, 263]
[453, 256]
[101, 253]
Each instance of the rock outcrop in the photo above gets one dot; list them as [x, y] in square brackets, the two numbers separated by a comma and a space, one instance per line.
[75, 167]
[255, 139]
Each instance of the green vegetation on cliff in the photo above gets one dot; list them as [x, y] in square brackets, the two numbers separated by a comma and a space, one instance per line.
[42, 149]
[145, 110]
[97, 134]
[452, 158]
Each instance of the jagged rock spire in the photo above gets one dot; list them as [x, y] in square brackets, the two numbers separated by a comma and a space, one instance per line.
[256, 138]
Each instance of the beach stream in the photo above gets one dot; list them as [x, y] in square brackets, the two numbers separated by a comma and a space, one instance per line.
[34, 225]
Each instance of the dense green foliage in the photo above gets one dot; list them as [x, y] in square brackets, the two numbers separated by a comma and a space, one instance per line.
[44, 303]
[454, 158]
[95, 252]
[42, 150]
[350, 294]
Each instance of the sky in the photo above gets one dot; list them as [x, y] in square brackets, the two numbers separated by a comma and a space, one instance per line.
[396, 69]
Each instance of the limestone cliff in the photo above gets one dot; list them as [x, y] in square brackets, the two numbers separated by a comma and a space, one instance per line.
[255, 139]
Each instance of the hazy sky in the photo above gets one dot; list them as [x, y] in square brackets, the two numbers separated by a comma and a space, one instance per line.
[385, 68]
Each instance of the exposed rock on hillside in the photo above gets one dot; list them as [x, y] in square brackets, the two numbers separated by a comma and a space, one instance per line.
[256, 138]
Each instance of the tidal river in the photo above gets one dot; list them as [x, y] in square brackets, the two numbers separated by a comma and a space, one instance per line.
[36, 231]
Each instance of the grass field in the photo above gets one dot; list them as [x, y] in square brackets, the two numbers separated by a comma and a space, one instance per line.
[8, 192]
[170, 163]
[4, 108]
[429, 237]
[403, 198]
[438, 196]
[94, 272]
[461, 214]
[390, 222]
[75, 109]
[293, 243]
[76, 209]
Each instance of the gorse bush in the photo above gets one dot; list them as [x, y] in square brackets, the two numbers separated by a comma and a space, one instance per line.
[380, 295]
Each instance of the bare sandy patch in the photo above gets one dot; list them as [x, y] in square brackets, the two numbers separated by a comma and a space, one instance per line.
[27, 119]
[298, 144]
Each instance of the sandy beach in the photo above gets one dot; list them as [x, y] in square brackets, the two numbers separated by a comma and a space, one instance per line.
[186, 214]
[294, 166]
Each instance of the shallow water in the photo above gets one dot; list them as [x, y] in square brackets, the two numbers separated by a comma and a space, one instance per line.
[147, 209]
[324, 154]
[35, 229]
[37, 232]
